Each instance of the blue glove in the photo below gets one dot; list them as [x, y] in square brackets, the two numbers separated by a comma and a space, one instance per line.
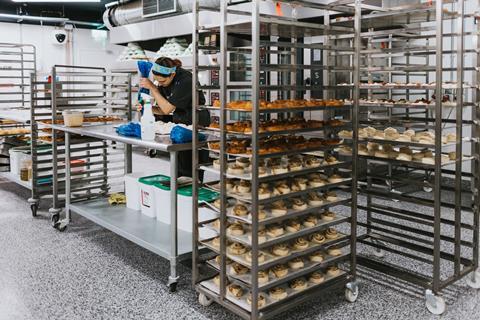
[130, 129]
[144, 68]
[180, 134]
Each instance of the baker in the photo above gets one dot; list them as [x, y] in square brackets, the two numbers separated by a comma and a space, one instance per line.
[172, 93]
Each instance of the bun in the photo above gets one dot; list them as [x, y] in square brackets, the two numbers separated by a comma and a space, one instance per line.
[177, 63]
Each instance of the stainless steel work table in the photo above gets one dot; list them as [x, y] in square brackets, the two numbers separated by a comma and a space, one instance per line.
[160, 238]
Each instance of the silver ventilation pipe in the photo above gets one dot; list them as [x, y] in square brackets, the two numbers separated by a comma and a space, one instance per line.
[124, 12]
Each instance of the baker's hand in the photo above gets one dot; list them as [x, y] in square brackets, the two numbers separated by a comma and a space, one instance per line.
[146, 83]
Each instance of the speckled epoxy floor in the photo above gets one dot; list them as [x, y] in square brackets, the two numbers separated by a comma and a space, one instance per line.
[90, 273]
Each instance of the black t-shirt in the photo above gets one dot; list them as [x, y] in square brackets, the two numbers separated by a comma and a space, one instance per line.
[179, 94]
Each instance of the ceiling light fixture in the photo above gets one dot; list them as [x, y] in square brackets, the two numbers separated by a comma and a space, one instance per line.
[63, 1]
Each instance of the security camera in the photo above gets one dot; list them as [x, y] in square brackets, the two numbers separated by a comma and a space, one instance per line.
[59, 36]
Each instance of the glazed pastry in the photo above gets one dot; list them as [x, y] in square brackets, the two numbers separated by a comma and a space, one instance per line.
[331, 196]
[316, 277]
[316, 182]
[299, 185]
[261, 257]
[391, 134]
[235, 170]
[279, 270]
[418, 156]
[230, 184]
[235, 290]
[217, 203]
[300, 244]
[279, 208]
[216, 242]
[334, 251]
[331, 160]
[316, 257]
[293, 225]
[277, 293]
[299, 204]
[262, 236]
[242, 162]
[314, 199]
[217, 260]
[216, 164]
[280, 250]
[310, 221]
[275, 230]
[333, 271]
[312, 162]
[317, 238]
[409, 132]
[238, 269]
[262, 171]
[240, 210]
[243, 187]
[335, 178]
[404, 138]
[262, 277]
[279, 169]
[235, 229]
[296, 263]
[281, 188]
[263, 193]
[236, 248]
[298, 284]
[261, 299]
[331, 233]
[295, 165]
[328, 215]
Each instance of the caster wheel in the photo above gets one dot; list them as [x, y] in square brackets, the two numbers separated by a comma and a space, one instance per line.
[60, 226]
[351, 293]
[473, 280]
[152, 153]
[54, 218]
[172, 287]
[435, 304]
[204, 300]
[34, 209]
[379, 253]
[427, 189]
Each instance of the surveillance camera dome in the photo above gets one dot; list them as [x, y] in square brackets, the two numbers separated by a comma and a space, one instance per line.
[59, 36]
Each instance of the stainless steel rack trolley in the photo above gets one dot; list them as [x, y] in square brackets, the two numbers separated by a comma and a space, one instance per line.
[281, 178]
[419, 130]
[17, 62]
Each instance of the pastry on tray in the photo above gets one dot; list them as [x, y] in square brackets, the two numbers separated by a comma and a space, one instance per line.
[316, 256]
[331, 196]
[300, 244]
[296, 263]
[218, 258]
[298, 284]
[216, 242]
[275, 230]
[235, 169]
[316, 277]
[333, 271]
[261, 299]
[236, 248]
[335, 178]
[281, 250]
[235, 290]
[310, 221]
[299, 204]
[262, 235]
[293, 225]
[334, 251]
[279, 270]
[235, 229]
[240, 210]
[238, 269]
[331, 233]
[277, 293]
[317, 237]
[261, 257]
[243, 187]
[279, 208]
[281, 188]
[314, 199]
[328, 215]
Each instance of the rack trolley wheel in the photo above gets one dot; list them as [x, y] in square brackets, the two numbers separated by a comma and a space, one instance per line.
[60, 226]
[54, 218]
[172, 287]
[435, 304]
[204, 300]
[351, 292]
[34, 208]
[426, 188]
[379, 253]
[473, 280]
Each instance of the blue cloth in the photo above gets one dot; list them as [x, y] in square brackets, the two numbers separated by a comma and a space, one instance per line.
[130, 129]
[180, 134]
[163, 70]
[144, 68]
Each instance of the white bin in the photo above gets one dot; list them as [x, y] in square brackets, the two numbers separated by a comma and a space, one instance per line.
[149, 199]
[17, 155]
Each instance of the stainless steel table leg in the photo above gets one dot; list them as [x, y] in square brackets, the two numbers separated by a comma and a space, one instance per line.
[62, 225]
[173, 278]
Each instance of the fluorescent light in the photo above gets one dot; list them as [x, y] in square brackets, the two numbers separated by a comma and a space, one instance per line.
[64, 1]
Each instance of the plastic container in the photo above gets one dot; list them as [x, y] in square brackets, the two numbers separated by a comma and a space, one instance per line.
[148, 199]
[73, 118]
[17, 155]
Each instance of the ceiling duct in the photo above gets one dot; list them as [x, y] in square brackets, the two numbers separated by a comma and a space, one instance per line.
[132, 12]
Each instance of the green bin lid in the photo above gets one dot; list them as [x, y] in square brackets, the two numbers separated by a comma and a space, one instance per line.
[203, 194]
[156, 181]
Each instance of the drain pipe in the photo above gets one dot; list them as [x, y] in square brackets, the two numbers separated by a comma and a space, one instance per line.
[20, 18]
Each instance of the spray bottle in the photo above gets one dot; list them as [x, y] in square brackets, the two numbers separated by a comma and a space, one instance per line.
[148, 122]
